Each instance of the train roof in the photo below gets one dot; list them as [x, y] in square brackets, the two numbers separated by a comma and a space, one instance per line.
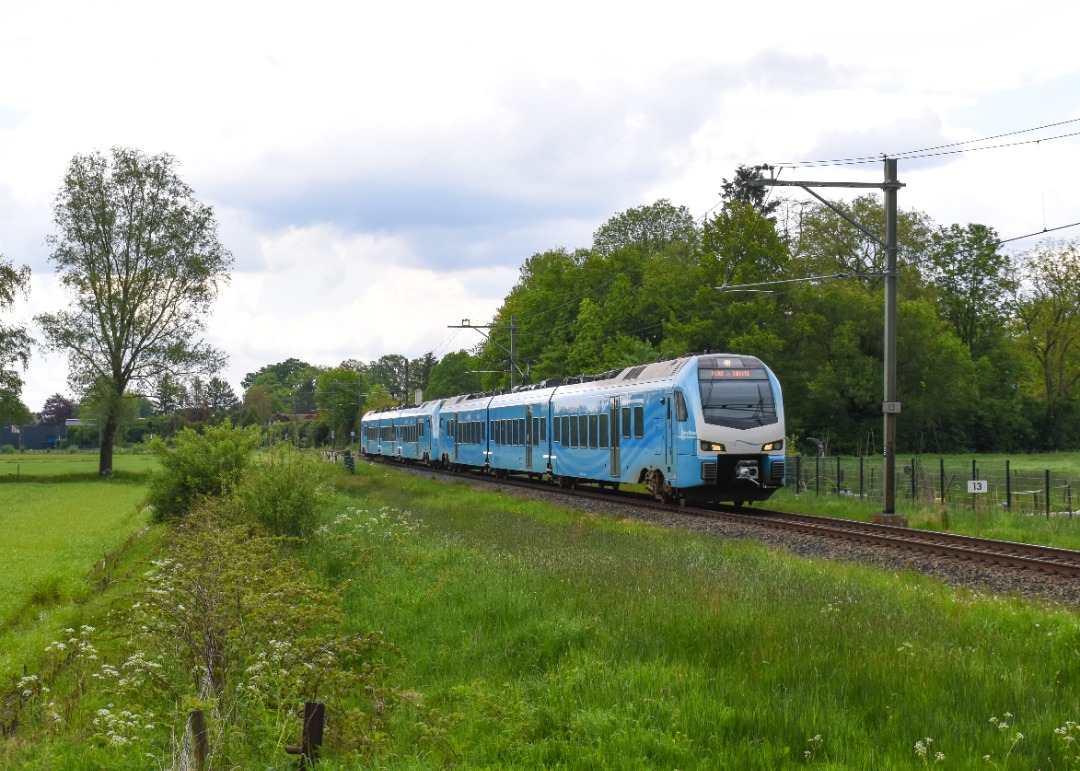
[658, 371]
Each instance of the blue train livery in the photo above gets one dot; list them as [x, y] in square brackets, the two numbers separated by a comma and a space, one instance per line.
[704, 427]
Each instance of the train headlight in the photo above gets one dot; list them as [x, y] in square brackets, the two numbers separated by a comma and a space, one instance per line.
[772, 446]
[711, 446]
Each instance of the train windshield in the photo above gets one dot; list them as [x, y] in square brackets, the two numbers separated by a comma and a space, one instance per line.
[737, 398]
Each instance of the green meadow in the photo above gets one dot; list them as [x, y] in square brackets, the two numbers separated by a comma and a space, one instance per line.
[56, 466]
[54, 535]
[536, 637]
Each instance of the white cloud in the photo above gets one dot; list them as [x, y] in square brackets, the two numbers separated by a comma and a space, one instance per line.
[381, 170]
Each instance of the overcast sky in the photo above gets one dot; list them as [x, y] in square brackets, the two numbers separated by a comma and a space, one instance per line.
[381, 170]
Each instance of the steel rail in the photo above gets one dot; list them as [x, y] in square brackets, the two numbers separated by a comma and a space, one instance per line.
[1044, 559]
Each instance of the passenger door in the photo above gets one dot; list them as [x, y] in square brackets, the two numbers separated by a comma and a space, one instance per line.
[528, 437]
[616, 469]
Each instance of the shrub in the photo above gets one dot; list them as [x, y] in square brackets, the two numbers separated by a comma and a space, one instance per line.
[7, 449]
[201, 465]
[286, 493]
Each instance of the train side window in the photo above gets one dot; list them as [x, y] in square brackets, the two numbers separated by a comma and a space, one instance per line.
[680, 407]
[536, 432]
[521, 431]
[583, 430]
[639, 422]
[556, 424]
[543, 429]
[573, 430]
[603, 429]
[566, 438]
[593, 431]
[626, 422]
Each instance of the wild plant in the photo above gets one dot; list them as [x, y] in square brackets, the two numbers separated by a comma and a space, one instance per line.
[924, 754]
[228, 623]
[198, 466]
[286, 492]
[1067, 740]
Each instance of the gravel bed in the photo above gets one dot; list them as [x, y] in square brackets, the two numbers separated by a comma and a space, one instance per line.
[986, 579]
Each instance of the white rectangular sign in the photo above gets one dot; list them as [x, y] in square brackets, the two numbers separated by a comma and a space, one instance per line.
[977, 486]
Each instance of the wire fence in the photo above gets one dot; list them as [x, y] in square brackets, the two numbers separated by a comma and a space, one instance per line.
[937, 480]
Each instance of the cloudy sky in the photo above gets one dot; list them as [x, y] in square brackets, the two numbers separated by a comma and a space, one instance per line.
[381, 170]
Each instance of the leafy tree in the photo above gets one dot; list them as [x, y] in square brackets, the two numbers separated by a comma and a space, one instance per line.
[974, 280]
[338, 393]
[743, 246]
[14, 343]
[378, 398]
[586, 354]
[390, 372]
[99, 401]
[826, 243]
[220, 396]
[140, 259]
[279, 374]
[168, 394]
[197, 407]
[258, 405]
[1046, 308]
[58, 409]
[420, 372]
[652, 228]
[454, 374]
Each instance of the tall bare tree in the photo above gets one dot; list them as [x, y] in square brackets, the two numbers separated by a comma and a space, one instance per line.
[141, 262]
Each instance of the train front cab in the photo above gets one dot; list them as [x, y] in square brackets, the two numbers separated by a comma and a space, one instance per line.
[727, 424]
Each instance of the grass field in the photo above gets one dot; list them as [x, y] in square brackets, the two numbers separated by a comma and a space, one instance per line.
[62, 466]
[53, 535]
[544, 638]
[536, 637]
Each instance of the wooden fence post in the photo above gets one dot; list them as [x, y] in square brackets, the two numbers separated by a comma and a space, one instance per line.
[314, 717]
[200, 740]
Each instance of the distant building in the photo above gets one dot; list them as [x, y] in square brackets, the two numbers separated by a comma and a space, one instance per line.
[33, 437]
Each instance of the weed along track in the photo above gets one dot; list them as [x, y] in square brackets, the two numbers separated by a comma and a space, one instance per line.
[986, 565]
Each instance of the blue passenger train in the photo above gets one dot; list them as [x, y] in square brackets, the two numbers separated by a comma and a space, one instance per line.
[708, 427]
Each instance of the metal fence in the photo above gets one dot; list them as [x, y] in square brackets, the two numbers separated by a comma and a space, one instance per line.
[920, 479]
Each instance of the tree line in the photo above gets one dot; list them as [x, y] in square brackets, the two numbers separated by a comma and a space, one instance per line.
[988, 341]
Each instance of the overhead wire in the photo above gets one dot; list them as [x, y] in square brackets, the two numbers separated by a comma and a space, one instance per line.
[930, 152]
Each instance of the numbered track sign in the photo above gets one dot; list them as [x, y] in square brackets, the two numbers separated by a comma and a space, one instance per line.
[977, 486]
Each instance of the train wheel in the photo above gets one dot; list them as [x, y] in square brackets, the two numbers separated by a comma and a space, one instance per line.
[658, 486]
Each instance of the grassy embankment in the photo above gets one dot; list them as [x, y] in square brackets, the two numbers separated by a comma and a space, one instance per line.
[536, 637]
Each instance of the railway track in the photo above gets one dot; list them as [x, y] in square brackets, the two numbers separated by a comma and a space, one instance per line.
[1040, 559]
